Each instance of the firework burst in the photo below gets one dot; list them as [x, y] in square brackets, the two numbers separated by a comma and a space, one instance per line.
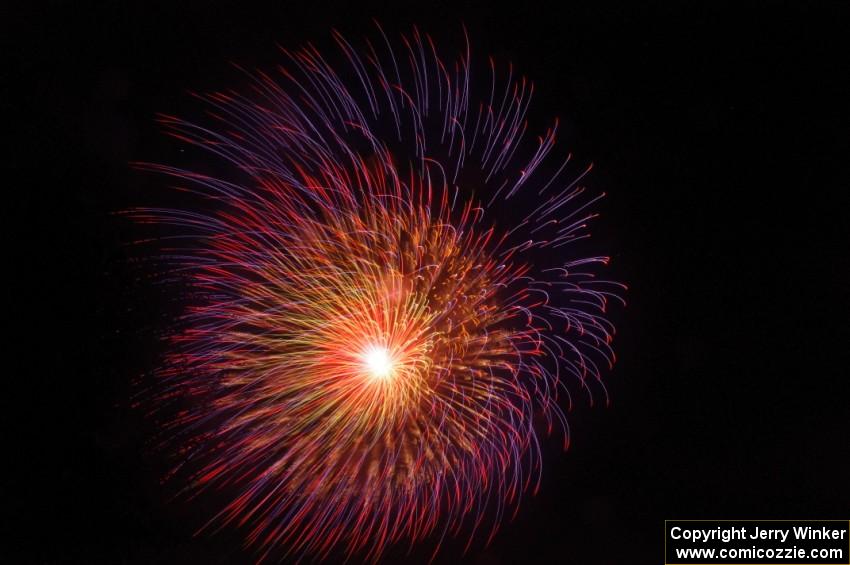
[371, 348]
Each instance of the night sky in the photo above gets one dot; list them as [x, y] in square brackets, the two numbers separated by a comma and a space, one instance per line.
[719, 135]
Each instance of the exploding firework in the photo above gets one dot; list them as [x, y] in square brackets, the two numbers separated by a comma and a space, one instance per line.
[386, 310]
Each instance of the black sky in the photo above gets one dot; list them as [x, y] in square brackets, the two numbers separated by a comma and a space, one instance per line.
[719, 134]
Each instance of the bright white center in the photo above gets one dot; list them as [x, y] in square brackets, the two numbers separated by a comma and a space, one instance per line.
[378, 361]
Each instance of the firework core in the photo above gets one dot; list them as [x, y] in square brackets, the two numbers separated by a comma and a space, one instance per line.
[378, 362]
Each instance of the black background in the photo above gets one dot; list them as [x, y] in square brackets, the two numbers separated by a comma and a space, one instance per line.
[719, 134]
